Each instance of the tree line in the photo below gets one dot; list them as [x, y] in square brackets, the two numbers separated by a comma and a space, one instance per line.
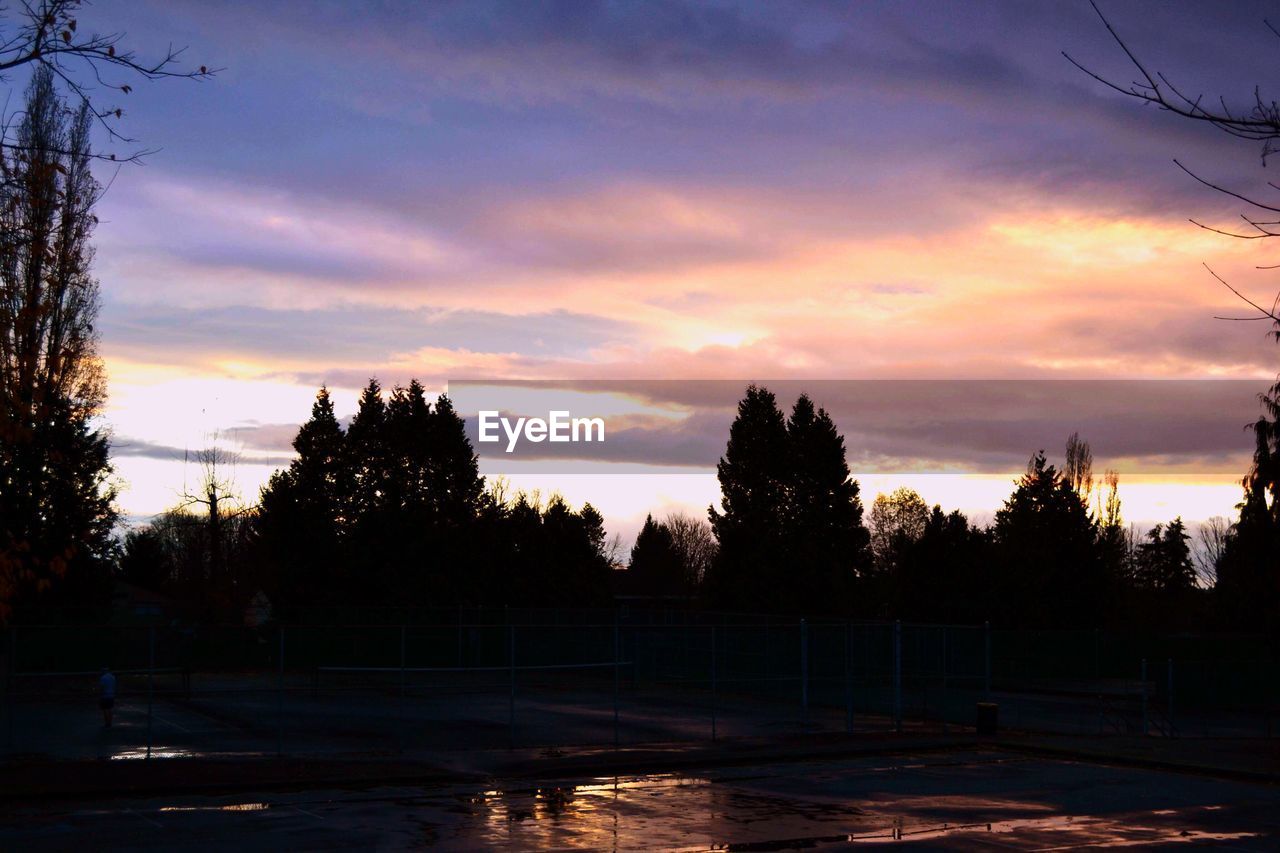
[392, 510]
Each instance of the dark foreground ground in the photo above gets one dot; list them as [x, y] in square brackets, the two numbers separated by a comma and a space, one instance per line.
[952, 794]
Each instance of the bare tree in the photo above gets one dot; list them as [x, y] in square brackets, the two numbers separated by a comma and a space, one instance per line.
[1259, 122]
[694, 542]
[48, 33]
[1208, 546]
[216, 494]
[1108, 502]
[1078, 469]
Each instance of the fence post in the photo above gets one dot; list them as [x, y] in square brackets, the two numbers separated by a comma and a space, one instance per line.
[804, 665]
[986, 685]
[511, 705]
[280, 698]
[713, 682]
[897, 675]
[10, 665]
[400, 705]
[848, 677]
[942, 703]
[151, 681]
[1168, 709]
[1144, 697]
[617, 647]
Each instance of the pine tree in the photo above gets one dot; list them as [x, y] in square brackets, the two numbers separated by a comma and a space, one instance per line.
[299, 531]
[655, 568]
[828, 542]
[1049, 566]
[749, 570]
[1163, 561]
[1248, 587]
[456, 484]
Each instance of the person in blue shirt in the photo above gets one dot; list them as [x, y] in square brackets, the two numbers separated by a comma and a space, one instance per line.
[107, 695]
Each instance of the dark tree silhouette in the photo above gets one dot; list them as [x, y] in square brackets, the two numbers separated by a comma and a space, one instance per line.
[1257, 122]
[656, 569]
[895, 521]
[941, 573]
[1163, 563]
[790, 534]
[695, 545]
[1249, 568]
[752, 559]
[56, 502]
[144, 560]
[456, 484]
[301, 522]
[1048, 567]
[828, 542]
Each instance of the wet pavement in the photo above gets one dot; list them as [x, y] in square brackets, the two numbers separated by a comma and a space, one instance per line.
[955, 800]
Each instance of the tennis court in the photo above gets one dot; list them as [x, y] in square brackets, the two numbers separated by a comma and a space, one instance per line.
[559, 680]
[958, 799]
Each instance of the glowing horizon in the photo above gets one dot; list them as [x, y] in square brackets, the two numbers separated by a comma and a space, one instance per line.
[780, 191]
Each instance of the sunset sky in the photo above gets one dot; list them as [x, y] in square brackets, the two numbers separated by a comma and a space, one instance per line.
[674, 191]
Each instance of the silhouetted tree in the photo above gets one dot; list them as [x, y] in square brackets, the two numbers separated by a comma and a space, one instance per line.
[56, 501]
[220, 587]
[896, 520]
[790, 535]
[456, 484]
[546, 555]
[1163, 560]
[302, 519]
[656, 568]
[751, 565]
[47, 34]
[695, 545]
[1047, 562]
[144, 561]
[940, 574]
[1249, 571]
[372, 509]
[1257, 121]
[1209, 544]
[828, 542]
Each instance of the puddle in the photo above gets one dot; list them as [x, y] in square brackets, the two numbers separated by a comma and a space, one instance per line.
[155, 752]
[231, 807]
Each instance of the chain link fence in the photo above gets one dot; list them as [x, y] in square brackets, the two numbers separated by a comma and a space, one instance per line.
[473, 679]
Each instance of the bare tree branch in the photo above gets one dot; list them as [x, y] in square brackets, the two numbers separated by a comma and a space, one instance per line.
[48, 33]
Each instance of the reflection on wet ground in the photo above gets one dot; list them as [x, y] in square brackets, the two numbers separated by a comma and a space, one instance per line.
[954, 800]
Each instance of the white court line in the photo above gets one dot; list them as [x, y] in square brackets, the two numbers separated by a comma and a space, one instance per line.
[169, 722]
[154, 823]
[305, 812]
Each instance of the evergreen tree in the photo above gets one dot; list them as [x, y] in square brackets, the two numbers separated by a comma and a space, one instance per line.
[302, 519]
[656, 568]
[1163, 561]
[828, 542]
[1048, 563]
[407, 517]
[1248, 586]
[456, 484]
[750, 567]
[144, 561]
[940, 574]
[377, 569]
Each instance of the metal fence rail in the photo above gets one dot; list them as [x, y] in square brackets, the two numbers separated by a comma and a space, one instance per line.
[560, 680]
